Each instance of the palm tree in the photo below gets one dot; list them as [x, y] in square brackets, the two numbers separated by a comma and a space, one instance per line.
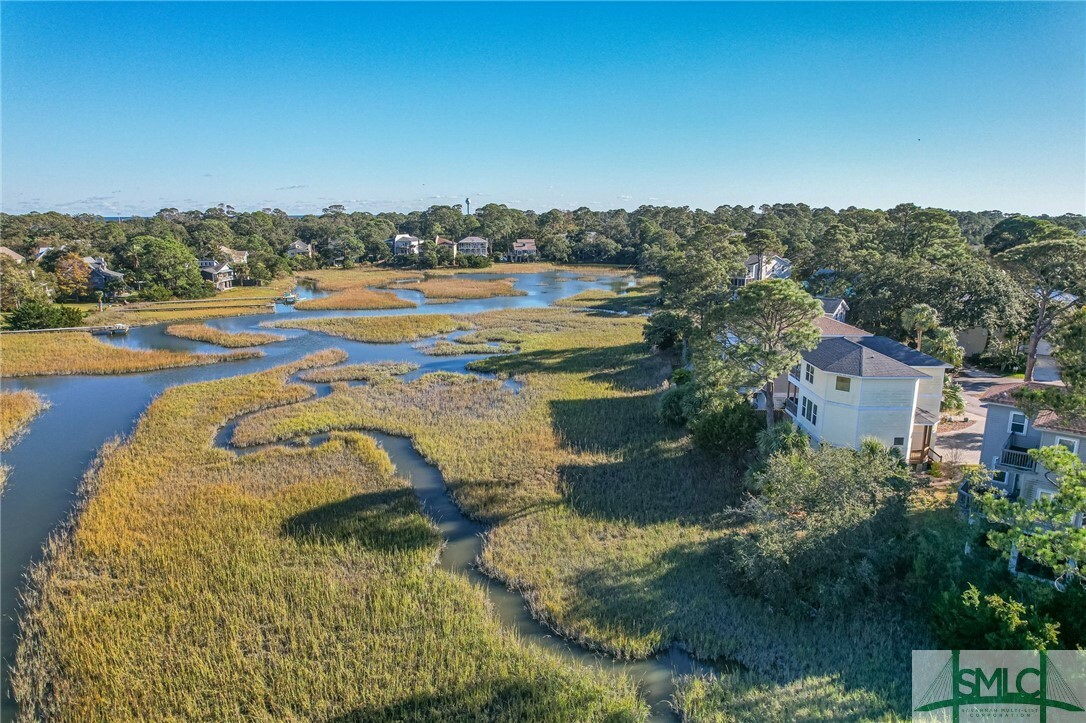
[919, 318]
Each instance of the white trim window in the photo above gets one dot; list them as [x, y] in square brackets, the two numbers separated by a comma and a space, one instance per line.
[1017, 423]
[810, 411]
[808, 373]
[843, 384]
[1068, 443]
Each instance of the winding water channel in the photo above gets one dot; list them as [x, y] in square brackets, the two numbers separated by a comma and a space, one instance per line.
[87, 411]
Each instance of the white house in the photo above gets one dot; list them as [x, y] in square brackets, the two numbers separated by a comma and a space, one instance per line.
[234, 256]
[299, 248]
[834, 307]
[760, 268]
[404, 244]
[473, 246]
[855, 385]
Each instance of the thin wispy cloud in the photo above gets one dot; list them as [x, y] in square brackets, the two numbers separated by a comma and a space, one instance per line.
[292, 188]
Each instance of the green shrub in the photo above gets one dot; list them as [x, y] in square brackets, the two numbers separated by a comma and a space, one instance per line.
[473, 262]
[973, 620]
[1003, 356]
[36, 314]
[732, 429]
[664, 329]
[673, 406]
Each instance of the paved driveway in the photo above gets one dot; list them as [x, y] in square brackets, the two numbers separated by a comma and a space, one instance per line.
[963, 446]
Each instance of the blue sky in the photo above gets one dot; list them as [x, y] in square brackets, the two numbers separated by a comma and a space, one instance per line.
[132, 107]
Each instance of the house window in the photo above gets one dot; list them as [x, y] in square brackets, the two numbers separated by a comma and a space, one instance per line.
[1018, 423]
[808, 373]
[843, 384]
[899, 441]
[1070, 444]
[810, 411]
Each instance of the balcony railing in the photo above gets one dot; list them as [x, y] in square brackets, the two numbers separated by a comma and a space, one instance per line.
[1018, 459]
[790, 406]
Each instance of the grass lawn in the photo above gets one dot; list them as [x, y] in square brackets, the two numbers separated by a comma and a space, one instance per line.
[379, 329]
[291, 584]
[612, 524]
[77, 352]
[230, 340]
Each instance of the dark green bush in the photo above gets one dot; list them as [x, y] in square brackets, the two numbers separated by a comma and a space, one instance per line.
[44, 315]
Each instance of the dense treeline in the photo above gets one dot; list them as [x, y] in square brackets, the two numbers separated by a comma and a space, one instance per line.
[882, 261]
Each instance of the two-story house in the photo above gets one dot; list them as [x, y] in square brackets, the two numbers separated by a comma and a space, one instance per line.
[299, 248]
[448, 243]
[473, 246]
[1009, 435]
[524, 249]
[404, 244]
[855, 385]
[101, 277]
[219, 274]
[760, 268]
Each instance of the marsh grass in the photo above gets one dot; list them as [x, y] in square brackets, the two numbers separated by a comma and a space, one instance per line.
[376, 372]
[80, 353]
[349, 289]
[613, 526]
[238, 301]
[230, 340]
[636, 300]
[449, 288]
[379, 329]
[290, 584]
[17, 408]
[457, 347]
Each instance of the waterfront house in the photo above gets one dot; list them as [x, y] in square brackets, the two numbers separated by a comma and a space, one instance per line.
[760, 268]
[855, 385]
[299, 248]
[473, 246]
[403, 244]
[448, 243]
[8, 253]
[524, 249]
[219, 274]
[101, 277]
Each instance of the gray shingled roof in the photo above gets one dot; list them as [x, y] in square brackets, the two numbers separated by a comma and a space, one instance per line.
[904, 354]
[830, 303]
[837, 355]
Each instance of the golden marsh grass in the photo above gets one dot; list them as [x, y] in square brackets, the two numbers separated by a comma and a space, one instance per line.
[611, 524]
[17, 408]
[379, 329]
[349, 289]
[290, 584]
[230, 340]
[380, 371]
[448, 288]
[238, 301]
[80, 353]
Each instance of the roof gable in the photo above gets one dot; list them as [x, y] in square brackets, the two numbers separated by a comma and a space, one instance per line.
[837, 355]
[897, 350]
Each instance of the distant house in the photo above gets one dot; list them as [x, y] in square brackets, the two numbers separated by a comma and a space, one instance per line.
[834, 307]
[299, 248]
[219, 274]
[473, 246]
[6, 252]
[40, 252]
[523, 250]
[759, 268]
[447, 243]
[235, 257]
[403, 244]
[855, 385]
[1009, 435]
[101, 277]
